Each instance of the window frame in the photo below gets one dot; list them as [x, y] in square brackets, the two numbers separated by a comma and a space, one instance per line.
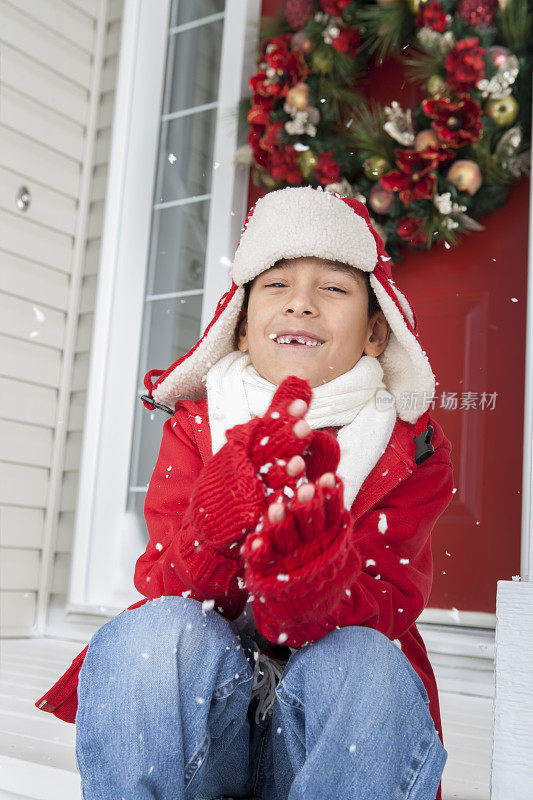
[107, 540]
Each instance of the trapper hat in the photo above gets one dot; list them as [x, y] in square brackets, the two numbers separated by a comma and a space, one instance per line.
[291, 223]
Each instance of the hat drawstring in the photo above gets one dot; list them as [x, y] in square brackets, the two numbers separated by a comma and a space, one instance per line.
[265, 688]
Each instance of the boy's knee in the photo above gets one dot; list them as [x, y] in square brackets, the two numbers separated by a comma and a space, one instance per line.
[357, 648]
[158, 624]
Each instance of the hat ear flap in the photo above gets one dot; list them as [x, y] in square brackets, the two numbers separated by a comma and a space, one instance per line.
[405, 365]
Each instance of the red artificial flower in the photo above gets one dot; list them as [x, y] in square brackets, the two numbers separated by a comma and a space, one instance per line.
[457, 124]
[284, 166]
[440, 152]
[259, 113]
[409, 229]
[327, 170]
[432, 16]
[348, 41]
[465, 65]
[271, 138]
[413, 180]
[289, 65]
[254, 138]
[334, 7]
[478, 13]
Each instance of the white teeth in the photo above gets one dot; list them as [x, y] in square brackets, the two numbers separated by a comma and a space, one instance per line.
[300, 339]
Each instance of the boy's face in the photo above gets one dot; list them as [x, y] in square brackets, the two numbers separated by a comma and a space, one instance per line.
[326, 300]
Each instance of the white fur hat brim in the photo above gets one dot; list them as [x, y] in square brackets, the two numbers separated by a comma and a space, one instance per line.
[295, 222]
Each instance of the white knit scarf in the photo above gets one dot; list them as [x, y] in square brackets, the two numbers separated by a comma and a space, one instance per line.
[236, 392]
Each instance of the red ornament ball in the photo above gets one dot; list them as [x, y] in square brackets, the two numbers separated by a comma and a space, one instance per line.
[478, 13]
[297, 13]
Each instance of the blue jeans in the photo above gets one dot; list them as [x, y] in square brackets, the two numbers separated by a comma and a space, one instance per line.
[165, 711]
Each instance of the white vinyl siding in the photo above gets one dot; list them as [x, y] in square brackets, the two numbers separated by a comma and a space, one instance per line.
[48, 65]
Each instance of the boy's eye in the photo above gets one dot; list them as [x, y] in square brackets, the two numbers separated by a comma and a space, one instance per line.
[278, 283]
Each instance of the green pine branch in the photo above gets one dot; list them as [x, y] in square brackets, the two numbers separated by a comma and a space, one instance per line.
[419, 65]
[386, 27]
[515, 24]
[367, 132]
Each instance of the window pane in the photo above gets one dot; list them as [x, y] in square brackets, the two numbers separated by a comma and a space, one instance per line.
[194, 61]
[189, 10]
[178, 238]
[180, 241]
[171, 328]
[187, 156]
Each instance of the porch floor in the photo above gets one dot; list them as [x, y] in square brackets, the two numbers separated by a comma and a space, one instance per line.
[37, 757]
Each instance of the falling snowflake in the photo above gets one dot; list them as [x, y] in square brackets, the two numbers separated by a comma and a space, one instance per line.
[207, 605]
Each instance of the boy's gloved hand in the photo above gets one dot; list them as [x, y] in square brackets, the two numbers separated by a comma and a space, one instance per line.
[298, 561]
[282, 433]
[228, 499]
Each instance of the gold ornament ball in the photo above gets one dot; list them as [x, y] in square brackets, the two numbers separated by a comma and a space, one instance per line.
[375, 166]
[269, 182]
[261, 177]
[426, 138]
[380, 199]
[307, 161]
[414, 5]
[466, 176]
[322, 60]
[436, 85]
[298, 96]
[504, 111]
[301, 41]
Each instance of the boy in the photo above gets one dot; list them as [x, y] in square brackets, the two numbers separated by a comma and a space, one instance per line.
[302, 533]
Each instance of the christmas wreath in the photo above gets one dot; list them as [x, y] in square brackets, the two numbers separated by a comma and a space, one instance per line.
[427, 174]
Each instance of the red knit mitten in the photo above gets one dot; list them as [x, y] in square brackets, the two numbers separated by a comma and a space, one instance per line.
[304, 559]
[227, 501]
[323, 455]
[270, 442]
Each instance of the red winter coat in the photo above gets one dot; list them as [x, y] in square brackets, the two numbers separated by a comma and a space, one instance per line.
[411, 496]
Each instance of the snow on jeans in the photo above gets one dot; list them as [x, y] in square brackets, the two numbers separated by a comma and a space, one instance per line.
[165, 711]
